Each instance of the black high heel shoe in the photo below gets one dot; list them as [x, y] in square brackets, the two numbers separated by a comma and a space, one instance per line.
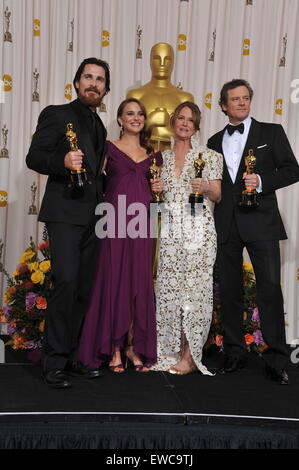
[137, 367]
[118, 366]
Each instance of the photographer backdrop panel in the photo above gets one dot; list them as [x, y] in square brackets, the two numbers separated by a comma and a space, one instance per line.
[43, 41]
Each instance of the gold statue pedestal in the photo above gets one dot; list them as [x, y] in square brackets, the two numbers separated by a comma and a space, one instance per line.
[78, 177]
[249, 199]
[195, 199]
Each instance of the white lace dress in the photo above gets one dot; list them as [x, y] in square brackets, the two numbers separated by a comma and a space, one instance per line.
[184, 288]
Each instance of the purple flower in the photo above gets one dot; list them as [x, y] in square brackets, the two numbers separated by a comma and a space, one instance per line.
[258, 339]
[11, 330]
[6, 311]
[255, 315]
[30, 300]
[33, 345]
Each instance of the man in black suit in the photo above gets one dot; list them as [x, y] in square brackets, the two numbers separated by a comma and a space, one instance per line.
[259, 229]
[69, 214]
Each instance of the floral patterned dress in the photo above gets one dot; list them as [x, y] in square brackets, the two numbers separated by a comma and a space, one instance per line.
[184, 288]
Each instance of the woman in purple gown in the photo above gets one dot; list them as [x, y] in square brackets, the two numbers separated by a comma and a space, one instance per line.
[120, 321]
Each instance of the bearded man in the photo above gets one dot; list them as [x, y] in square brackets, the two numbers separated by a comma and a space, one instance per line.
[69, 214]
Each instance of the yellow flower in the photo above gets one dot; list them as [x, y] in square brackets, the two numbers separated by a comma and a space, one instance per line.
[45, 266]
[37, 277]
[16, 273]
[33, 266]
[247, 266]
[6, 298]
[27, 255]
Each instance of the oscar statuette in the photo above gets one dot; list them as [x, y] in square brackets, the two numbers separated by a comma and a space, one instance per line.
[197, 198]
[33, 209]
[4, 151]
[249, 197]
[7, 33]
[155, 172]
[79, 175]
[35, 94]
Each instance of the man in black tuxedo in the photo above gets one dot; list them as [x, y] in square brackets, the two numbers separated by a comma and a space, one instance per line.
[69, 215]
[258, 229]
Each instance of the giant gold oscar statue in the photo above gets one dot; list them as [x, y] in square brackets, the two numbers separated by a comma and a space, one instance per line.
[159, 96]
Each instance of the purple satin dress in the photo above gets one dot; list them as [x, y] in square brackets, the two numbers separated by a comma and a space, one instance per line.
[122, 297]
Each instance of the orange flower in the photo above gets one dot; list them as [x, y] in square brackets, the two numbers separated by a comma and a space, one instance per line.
[249, 339]
[42, 326]
[3, 318]
[11, 290]
[19, 343]
[219, 340]
[41, 303]
[43, 246]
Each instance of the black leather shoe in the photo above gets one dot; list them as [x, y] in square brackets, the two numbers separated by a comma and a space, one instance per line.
[277, 375]
[56, 379]
[232, 365]
[77, 369]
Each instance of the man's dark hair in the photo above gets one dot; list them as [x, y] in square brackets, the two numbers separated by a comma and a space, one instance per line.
[230, 86]
[95, 61]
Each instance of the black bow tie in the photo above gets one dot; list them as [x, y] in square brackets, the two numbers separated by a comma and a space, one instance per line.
[232, 129]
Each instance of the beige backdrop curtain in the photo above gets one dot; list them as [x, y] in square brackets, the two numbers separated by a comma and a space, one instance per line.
[214, 41]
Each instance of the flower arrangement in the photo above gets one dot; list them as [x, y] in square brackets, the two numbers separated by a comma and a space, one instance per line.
[251, 321]
[28, 289]
[25, 298]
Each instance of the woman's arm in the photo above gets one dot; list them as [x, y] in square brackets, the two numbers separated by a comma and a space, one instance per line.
[211, 189]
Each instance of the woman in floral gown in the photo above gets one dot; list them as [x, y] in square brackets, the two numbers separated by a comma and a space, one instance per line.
[184, 289]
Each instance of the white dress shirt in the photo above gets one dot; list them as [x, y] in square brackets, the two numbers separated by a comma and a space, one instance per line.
[233, 148]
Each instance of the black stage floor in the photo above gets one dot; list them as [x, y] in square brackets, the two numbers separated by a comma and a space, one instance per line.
[150, 411]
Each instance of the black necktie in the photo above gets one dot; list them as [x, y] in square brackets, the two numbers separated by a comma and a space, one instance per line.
[232, 129]
[94, 130]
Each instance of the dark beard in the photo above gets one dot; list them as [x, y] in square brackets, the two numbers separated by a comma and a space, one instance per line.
[93, 101]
